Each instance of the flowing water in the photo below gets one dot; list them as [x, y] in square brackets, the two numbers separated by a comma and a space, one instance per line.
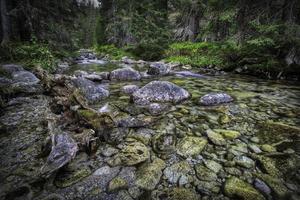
[255, 138]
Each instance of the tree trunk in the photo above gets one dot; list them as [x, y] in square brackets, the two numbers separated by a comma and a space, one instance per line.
[4, 23]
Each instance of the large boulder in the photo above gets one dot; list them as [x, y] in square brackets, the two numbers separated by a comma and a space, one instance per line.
[91, 91]
[215, 99]
[160, 91]
[159, 68]
[125, 74]
[14, 79]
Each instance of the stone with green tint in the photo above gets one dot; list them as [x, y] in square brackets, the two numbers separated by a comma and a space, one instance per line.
[228, 134]
[205, 174]
[117, 184]
[277, 185]
[148, 175]
[268, 148]
[215, 138]
[191, 146]
[68, 179]
[133, 153]
[267, 164]
[235, 187]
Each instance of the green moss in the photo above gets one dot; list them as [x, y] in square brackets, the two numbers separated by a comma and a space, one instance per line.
[277, 186]
[228, 134]
[235, 187]
[268, 165]
[117, 184]
[112, 51]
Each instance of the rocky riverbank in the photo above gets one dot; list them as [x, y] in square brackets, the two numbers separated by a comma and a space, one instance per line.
[137, 130]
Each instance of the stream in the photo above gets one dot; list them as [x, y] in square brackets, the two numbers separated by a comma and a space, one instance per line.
[131, 145]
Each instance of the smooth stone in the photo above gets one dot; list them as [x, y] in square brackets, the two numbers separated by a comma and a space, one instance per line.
[125, 74]
[262, 187]
[160, 91]
[215, 99]
[254, 148]
[188, 74]
[159, 68]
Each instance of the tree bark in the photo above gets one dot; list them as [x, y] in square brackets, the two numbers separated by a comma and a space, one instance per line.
[4, 23]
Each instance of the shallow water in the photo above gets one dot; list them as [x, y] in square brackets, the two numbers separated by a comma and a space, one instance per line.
[263, 112]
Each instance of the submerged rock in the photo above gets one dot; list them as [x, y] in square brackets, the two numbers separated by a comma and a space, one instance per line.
[178, 172]
[188, 74]
[176, 193]
[92, 92]
[148, 175]
[63, 151]
[215, 99]
[215, 138]
[191, 146]
[131, 154]
[156, 108]
[125, 74]
[160, 91]
[235, 187]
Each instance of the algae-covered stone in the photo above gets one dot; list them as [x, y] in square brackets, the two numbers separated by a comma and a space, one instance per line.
[176, 193]
[132, 154]
[164, 143]
[267, 164]
[268, 148]
[116, 184]
[235, 187]
[272, 132]
[276, 184]
[177, 171]
[99, 121]
[148, 175]
[244, 161]
[205, 174]
[65, 180]
[191, 146]
[215, 138]
[228, 134]
[213, 165]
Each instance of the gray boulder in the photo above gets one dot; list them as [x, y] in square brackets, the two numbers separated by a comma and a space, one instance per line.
[159, 68]
[125, 74]
[160, 91]
[93, 92]
[215, 99]
[63, 151]
[129, 89]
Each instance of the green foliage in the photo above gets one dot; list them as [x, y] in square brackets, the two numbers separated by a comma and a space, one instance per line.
[113, 52]
[200, 54]
[31, 53]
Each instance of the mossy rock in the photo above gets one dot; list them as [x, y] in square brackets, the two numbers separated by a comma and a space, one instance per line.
[68, 179]
[117, 184]
[277, 185]
[228, 134]
[191, 146]
[272, 132]
[237, 188]
[176, 193]
[268, 165]
[97, 120]
[215, 138]
[132, 153]
[148, 175]
[205, 174]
